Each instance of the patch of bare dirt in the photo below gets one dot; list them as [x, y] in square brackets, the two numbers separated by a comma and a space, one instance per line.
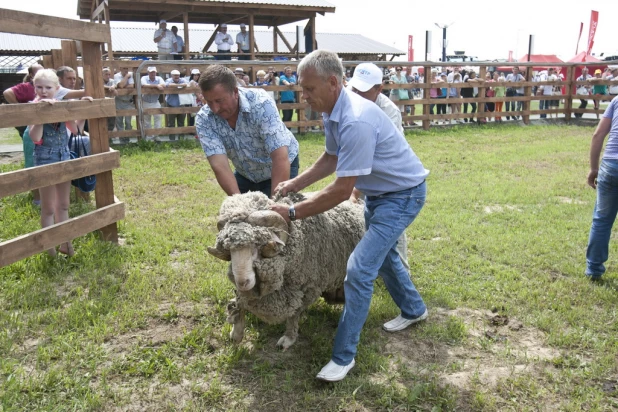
[173, 321]
[496, 347]
[11, 158]
[569, 201]
[489, 209]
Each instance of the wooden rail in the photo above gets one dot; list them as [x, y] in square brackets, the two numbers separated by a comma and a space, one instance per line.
[21, 247]
[20, 22]
[12, 115]
[23, 180]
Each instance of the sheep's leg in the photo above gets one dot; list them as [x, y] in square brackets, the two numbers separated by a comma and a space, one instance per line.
[291, 333]
[236, 317]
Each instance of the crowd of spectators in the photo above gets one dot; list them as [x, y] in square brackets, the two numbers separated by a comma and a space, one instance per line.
[443, 87]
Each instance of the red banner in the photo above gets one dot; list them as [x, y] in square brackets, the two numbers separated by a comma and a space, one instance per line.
[594, 21]
[410, 49]
[581, 29]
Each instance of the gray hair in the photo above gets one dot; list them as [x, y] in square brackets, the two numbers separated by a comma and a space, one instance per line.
[324, 62]
[62, 70]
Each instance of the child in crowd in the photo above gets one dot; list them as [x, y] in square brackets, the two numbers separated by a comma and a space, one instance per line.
[51, 146]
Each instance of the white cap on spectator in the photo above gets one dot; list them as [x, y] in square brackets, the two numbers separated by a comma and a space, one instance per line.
[162, 21]
[195, 71]
[173, 72]
[239, 70]
[223, 25]
[242, 25]
[152, 69]
[366, 75]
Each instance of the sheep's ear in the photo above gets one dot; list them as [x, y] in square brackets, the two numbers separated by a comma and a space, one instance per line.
[277, 239]
[219, 254]
[270, 249]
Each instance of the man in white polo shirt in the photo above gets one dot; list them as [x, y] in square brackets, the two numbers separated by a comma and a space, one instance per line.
[165, 40]
[366, 151]
[612, 75]
[151, 101]
[367, 82]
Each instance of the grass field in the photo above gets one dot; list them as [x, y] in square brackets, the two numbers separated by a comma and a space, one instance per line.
[498, 254]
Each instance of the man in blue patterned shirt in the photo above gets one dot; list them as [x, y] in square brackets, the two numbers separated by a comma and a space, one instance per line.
[243, 125]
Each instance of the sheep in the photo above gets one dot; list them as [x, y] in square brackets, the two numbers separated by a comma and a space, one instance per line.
[279, 270]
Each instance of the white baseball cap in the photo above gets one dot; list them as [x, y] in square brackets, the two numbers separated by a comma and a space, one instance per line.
[195, 71]
[366, 75]
[152, 69]
[162, 21]
[239, 70]
[173, 72]
[242, 25]
[223, 26]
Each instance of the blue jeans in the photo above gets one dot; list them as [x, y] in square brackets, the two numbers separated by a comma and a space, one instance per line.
[245, 185]
[386, 217]
[603, 218]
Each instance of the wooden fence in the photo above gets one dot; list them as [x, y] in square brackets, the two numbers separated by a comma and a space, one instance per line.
[570, 99]
[109, 209]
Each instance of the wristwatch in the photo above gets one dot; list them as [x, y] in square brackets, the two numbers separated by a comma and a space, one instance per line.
[292, 213]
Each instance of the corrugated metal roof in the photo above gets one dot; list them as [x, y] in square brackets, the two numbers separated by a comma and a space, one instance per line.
[20, 42]
[140, 40]
[300, 3]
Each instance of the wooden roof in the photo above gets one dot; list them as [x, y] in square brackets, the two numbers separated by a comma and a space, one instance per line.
[266, 13]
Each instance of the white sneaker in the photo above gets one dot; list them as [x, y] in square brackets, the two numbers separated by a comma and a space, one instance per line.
[400, 323]
[333, 372]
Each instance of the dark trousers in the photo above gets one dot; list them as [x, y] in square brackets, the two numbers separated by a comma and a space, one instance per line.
[472, 110]
[245, 185]
[582, 105]
[245, 55]
[178, 57]
[220, 57]
[442, 107]
[287, 113]
[512, 105]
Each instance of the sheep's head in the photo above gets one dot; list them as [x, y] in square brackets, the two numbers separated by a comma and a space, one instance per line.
[262, 234]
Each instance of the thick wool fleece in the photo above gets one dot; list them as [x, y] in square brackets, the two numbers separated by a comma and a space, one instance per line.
[313, 261]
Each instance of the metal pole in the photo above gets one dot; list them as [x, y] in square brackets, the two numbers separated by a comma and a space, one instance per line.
[444, 44]
[427, 43]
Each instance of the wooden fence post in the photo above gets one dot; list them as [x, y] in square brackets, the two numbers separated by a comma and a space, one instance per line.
[480, 110]
[99, 138]
[427, 81]
[527, 93]
[568, 99]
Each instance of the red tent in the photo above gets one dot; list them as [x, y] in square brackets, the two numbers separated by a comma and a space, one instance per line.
[582, 57]
[544, 61]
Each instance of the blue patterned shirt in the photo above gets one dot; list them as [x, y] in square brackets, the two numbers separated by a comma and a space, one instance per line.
[259, 132]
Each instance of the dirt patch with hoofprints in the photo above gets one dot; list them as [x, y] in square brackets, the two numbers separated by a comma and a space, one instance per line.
[495, 347]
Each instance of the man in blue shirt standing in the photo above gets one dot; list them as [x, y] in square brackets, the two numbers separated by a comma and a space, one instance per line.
[243, 125]
[173, 100]
[179, 47]
[366, 151]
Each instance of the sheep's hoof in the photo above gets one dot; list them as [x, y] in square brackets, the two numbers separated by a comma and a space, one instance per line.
[233, 312]
[284, 343]
[237, 334]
